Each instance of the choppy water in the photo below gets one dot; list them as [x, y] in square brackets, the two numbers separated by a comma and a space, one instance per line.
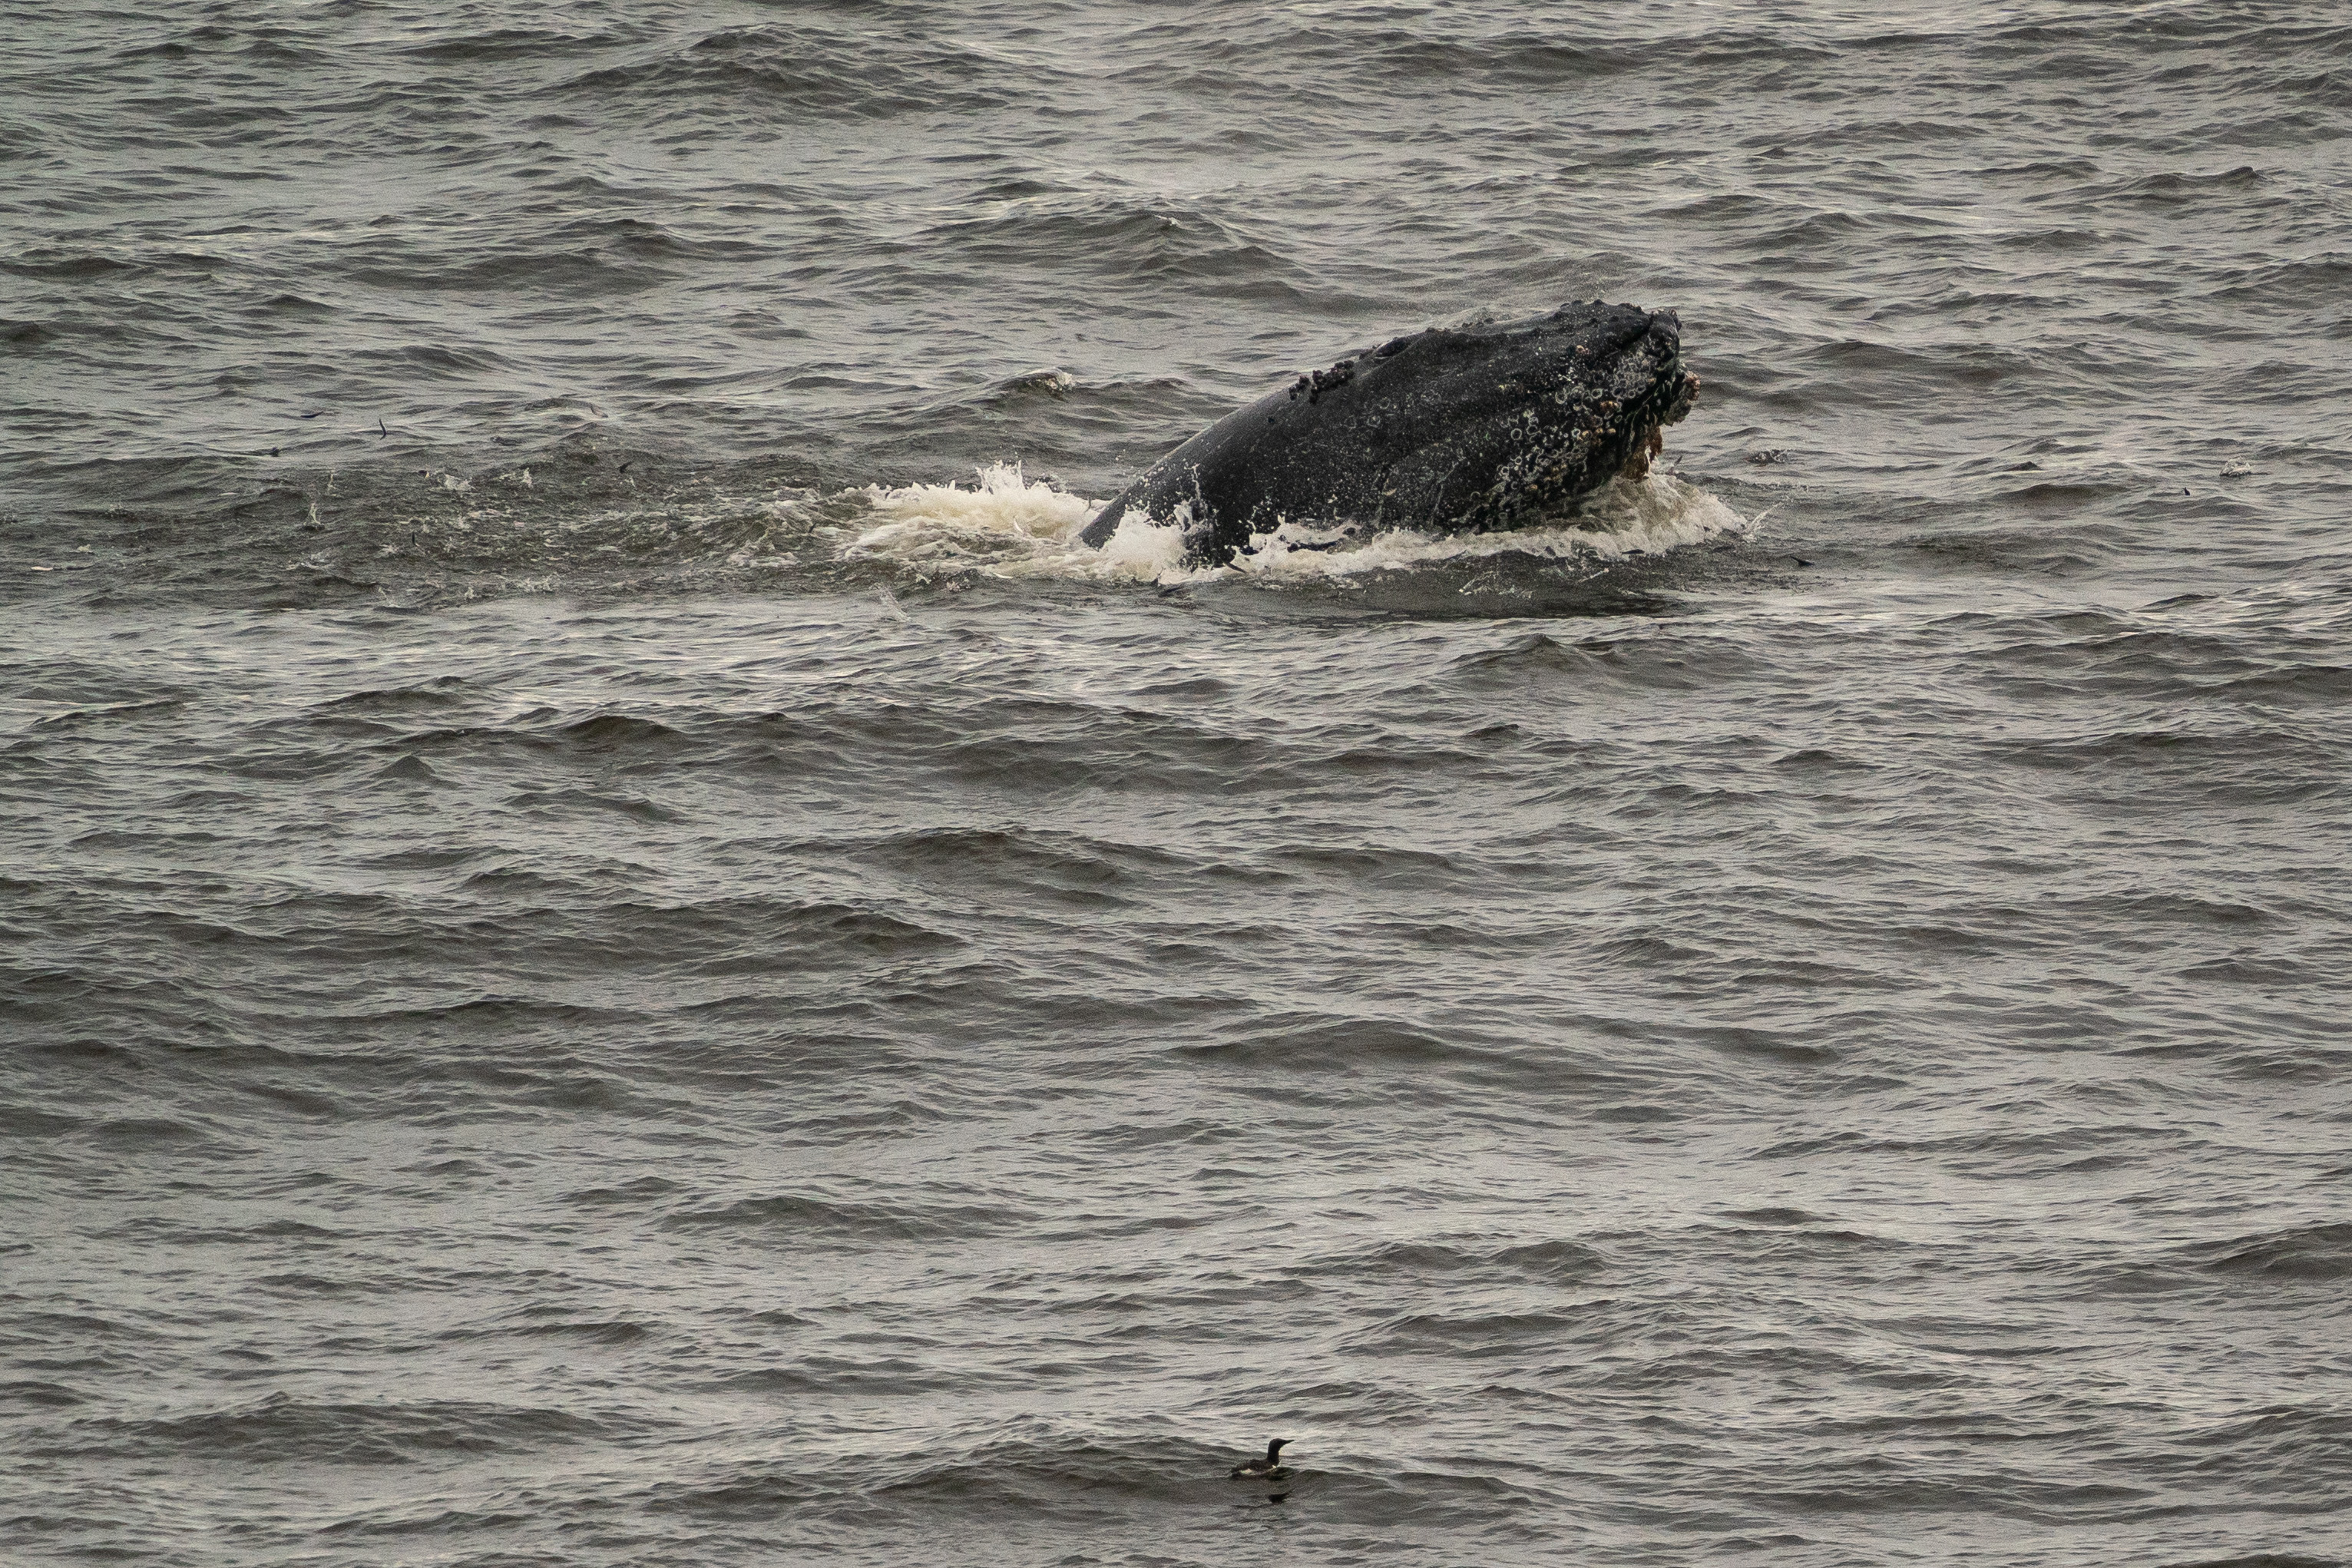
[613, 951]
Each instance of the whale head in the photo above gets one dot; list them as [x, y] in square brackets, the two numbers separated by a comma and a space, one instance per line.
[1451, 429]
[1496, 426]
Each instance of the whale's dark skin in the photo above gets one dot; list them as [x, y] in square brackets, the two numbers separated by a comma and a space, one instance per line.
[1451, 431]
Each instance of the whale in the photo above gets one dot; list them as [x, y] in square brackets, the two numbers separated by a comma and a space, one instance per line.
[1447, 430]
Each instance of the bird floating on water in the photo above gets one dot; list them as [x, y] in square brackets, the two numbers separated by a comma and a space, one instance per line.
[1270, 1468]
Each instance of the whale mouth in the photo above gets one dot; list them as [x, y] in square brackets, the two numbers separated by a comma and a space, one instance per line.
[1666, 401]
[1644, 453]
[1647, 450]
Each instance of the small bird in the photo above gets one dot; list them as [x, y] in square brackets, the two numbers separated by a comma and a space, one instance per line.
[1270, 1468]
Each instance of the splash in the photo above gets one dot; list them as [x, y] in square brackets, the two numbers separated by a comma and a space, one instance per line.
[1627, 517]
[1008, 525]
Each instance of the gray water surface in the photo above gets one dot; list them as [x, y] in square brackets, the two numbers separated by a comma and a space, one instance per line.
[608, 955]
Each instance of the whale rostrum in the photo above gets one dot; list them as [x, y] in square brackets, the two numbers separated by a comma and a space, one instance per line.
[1454, 429]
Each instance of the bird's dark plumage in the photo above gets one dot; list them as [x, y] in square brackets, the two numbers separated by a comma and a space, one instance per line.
[1270, 1468]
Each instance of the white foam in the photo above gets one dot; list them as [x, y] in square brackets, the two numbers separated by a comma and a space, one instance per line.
[1010, 526]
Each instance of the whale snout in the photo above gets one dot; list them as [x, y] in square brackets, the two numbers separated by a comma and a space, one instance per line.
[1672, 388]
[1652, 391]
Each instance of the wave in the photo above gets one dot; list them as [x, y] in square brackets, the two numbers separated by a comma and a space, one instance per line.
[783, 73]
[281, 1429]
